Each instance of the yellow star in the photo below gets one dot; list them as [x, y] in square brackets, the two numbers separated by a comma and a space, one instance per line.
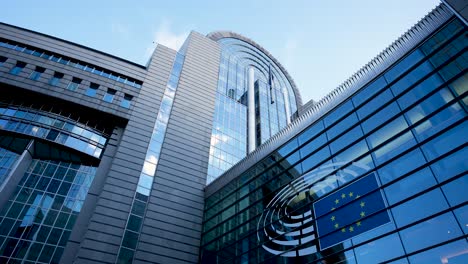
[343, 230]
[337, 201]
[343, 196]
[358, 223]
[357, 196]
[333, 218]
[351, 229]
[363, 214]
[362, 204]
[337, 225]
[351, 194]
[333, 208]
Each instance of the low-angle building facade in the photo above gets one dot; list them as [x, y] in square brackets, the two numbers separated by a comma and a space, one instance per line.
[208, 154]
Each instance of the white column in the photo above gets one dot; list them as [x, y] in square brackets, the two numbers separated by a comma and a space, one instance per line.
[286, 105]
[251, 111]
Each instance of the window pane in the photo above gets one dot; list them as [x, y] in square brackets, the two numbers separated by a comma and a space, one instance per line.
[455, 191]
[404, 65]
[419, 207]
[452, 165]
[453, 253]
[380, 250]
[446, 142]
[410, 185]
[369, 90]
[411, 78]
[380, 117]
[401, 166]
[428, 233]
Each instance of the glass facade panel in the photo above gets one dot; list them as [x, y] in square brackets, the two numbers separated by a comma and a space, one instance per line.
[109, 95]
[145, 182]
[44, 216]
[36, 74]
[18, 68]
[406, 131]
[47, 125]
[274, 99]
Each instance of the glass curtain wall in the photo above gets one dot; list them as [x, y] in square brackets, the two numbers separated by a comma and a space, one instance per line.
[229, 133]
[381, 178]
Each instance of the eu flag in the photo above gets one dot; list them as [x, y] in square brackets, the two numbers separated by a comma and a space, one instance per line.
[357, 208]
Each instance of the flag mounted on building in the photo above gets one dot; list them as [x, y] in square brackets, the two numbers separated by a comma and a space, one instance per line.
[355, 209]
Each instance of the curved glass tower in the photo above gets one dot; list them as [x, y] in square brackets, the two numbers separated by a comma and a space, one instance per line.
[255, 99]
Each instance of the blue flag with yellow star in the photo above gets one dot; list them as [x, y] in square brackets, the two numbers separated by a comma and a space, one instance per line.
[357, 208]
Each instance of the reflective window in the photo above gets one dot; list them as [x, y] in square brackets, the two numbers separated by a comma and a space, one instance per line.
[74, 83]
[70, 62]
[387, 132]
[411, 78]
[410, 185]
[145, 181]
[310, 132]
[342, 126]
[126, 101]
[109, 95]
[455, 253]
[313, 145]
[48, 215]
[455, 191]
[346, 140]
[374, 104]
[316, 158]
[8, 159]
[18, 68]
[430, 232]
[460, 86]
[451, 165]
[418, 182]
[438, 122]
[49, 126]
[338, 113]
[419, 207]
[429, 105]
[92, 89]
[36, 74]
[380, 250]
[462, 216]
[55, 80]
[380, 117]
[418, 92]
[404, 65]
[368, 91]
[446, 142]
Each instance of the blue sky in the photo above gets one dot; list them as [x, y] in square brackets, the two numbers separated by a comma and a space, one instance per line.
[320, 43]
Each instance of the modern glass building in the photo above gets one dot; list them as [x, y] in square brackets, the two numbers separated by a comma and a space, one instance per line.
[375, 172]
[242, 123]
[208, 155]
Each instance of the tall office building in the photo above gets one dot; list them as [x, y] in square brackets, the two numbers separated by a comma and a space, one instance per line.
[206, 154]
